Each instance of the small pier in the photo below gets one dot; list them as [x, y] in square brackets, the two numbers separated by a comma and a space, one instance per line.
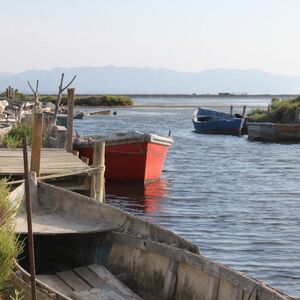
[53, 161]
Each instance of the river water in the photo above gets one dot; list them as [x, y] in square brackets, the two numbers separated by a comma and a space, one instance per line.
[238, 200]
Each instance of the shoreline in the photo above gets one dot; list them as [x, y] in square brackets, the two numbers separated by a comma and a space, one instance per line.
[171, 106]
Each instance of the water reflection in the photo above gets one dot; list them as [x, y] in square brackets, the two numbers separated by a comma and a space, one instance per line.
[138, 197]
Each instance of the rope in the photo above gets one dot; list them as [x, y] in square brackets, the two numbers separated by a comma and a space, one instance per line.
[257, 294]
[88, 171]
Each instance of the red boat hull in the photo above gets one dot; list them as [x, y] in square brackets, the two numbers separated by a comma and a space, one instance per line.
[140, 161]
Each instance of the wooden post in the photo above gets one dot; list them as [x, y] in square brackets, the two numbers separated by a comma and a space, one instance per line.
[98, 184]
[33, 189]
[244, 112]
[231, 110]
[36, 143]
[29, 222]
[69, 141]
[297, 116]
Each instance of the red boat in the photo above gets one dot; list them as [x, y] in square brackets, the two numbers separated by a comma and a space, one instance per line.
[131, 156]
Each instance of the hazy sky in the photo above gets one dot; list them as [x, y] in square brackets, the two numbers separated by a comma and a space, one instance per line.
[184, 35]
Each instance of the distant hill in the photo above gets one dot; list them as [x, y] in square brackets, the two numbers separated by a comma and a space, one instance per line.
[123, 80]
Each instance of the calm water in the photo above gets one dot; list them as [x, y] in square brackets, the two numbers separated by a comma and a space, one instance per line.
[238, 200]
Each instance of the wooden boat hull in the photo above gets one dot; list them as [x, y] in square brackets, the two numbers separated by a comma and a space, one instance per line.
[132, 162]
[272, 132]
[231, 127]
[213, 122]
[140, 158]
[138, 260]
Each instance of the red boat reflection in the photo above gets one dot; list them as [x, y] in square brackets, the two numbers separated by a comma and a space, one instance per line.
[146, 198]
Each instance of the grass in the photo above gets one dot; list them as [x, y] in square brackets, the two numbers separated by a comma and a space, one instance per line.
[10, 247]
[279, 111]
[14, 138]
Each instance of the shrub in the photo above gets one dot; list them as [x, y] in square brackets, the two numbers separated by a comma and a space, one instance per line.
[10, 247]
[280, 111]
[14, 138]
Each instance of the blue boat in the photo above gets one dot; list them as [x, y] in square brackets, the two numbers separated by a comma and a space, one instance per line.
[214, 122]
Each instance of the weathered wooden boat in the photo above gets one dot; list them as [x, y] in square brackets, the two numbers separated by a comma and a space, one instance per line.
[214, 122]
[129, 156]
[274, 132]
[88, 250]
[62, 118]
[100, 113]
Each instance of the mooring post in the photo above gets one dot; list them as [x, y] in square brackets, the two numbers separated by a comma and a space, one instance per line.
[36, 143]
[69, 141]
[29, 221]
[33, 189]
[244, 111]
[98, 183]
[297, 116]
[231, 110]
[9, 92]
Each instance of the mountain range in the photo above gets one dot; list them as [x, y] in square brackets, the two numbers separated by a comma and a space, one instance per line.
[129, 80]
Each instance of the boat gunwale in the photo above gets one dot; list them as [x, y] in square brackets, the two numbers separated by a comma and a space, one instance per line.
[206, 265]
[128, 222]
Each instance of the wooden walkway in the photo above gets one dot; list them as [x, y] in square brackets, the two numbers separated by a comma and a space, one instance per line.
[53, 161]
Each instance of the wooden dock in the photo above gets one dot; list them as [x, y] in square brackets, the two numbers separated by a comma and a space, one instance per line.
[53, 161]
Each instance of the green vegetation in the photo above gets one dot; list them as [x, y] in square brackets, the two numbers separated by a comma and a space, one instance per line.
[279, 111]
[98, 100]
[18, 96]
[10, 247]
[86, 100]
[14, 138]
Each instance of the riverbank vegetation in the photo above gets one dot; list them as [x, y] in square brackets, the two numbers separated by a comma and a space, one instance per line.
[279, 111]
[82, 100]
[95, 100]
[14, 138]
[10, 247]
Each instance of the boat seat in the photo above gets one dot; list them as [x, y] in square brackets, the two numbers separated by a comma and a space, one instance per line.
[89, 282]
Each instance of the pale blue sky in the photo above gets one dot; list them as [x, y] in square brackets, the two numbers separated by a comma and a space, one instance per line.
[181, 35]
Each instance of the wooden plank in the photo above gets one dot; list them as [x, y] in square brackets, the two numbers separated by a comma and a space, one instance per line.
[53, 161]
[90, 277]
[113, 282]
[96, 294]
[56, 283]
[73, 281]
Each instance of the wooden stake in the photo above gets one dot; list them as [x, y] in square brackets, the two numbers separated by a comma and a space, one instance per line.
[98, 183]
[69, 141]
[244, 112]
[297, 116]
[29, 222]
[36, 143]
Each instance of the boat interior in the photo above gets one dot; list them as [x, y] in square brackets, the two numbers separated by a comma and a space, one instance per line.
[101, 252]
